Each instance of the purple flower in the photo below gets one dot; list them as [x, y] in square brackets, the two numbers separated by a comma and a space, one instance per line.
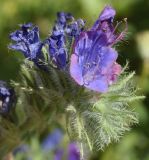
[93, 61]
[72, 153]
[52, 141]
[64, 30]
[6, 98]
[27, 41]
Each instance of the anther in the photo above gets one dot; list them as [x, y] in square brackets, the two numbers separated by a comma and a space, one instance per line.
[94, 63]
[104, 29]
[87, 65]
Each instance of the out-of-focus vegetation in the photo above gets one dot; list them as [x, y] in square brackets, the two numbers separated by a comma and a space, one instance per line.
[135, 49]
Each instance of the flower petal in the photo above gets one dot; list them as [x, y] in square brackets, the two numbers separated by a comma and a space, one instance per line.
[107, 14]
[73, 152]
[99, 85]
[75, 70]
[108, 58]
[114, 72]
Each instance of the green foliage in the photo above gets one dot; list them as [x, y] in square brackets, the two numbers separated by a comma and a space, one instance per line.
[42, 98]
[106, 118]
[92, 120]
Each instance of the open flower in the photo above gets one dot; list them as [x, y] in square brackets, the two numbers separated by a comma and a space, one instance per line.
[93, 61]
[27, 41]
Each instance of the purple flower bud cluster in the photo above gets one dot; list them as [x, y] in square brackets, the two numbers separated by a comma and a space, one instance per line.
[93, 58]
[65, 27]
[27, 41]
[6, 97]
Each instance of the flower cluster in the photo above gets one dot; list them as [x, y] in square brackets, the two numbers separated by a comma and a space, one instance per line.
[6, 98]
[93, 58]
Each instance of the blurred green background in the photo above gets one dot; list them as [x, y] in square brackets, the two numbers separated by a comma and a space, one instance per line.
[135, 144]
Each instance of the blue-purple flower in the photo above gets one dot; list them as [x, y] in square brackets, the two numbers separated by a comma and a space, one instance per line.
[93, 61]
[52, 140]
[64, 30]
[73, 153]
[6, 97]
[27, 41]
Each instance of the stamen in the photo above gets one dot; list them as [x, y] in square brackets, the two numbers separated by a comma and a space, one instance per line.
[88, 78]
[121, 35]
[86, 83]
[104, 29]
[117, 25]
[94, 63]
[88, 65]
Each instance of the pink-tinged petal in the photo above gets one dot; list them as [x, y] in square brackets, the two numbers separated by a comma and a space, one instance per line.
[75, 70]
[109, 57]
[98, 85]
[114, 72]
[116, 69]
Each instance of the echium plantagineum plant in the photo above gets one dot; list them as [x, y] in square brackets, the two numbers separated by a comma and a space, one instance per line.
[72, 77]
